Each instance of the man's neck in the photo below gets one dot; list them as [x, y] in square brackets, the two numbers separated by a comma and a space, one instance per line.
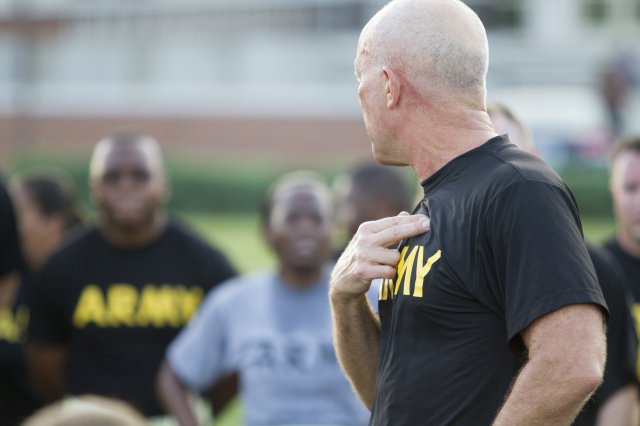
[446, 138]
[628, 245]
[133, 237]
[300, 279]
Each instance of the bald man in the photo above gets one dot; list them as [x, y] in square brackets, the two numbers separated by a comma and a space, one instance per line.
[490, 311]
[108, 303]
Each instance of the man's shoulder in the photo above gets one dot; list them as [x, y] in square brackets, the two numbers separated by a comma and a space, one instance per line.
[182, 235]
[77, 246]
[253, 284]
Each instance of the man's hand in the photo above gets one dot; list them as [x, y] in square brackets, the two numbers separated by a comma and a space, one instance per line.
[356, 329]
[368, 257]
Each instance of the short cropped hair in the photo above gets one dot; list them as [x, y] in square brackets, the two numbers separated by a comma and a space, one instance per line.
[52, 196]
[629, 144]
[294, 180]
[374, 181]
[148, 143]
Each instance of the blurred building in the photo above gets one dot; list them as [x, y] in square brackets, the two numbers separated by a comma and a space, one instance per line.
[268, 75]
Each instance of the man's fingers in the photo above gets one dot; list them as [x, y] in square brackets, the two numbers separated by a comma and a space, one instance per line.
[395, 234]
[389, 222]
[382, 256]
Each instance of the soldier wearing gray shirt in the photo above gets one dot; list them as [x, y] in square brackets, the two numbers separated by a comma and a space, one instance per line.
[274, 329]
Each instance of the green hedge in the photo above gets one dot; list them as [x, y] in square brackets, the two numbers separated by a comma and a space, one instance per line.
[589, 184]
[224, 187]
[214, 187]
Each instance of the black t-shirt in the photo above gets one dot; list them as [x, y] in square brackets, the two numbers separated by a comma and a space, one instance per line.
[630, 267]
[18, 399]
[621, 335]
[15, 400]
[117, 309]
[630, 274]
[10, 258]
[505, 247]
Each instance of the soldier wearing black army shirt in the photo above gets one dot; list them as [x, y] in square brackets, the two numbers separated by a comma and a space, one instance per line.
[108, 303]
[491, 312]
[452, 318]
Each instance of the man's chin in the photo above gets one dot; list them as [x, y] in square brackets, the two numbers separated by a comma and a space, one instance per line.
[130, 223]
[386, 160]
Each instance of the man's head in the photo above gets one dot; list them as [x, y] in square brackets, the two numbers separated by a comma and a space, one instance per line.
[127, 180]
[625, 190]
[370, 192]
[504, 120]
[425, 53]
[297, 223]
[46, 210]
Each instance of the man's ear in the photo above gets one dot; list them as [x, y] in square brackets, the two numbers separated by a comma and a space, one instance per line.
[391, 87]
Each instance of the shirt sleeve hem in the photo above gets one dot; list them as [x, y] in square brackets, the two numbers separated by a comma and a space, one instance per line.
[551, 304]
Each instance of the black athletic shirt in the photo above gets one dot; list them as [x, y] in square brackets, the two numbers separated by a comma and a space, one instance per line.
[630, 267]
[117, 309]
[10, 257]
[15, 398]
[621, 335]
[505, 247]
[630, 273]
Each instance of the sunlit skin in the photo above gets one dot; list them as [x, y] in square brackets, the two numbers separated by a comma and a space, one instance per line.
[625, 190]
[130, 190]
[39, 234]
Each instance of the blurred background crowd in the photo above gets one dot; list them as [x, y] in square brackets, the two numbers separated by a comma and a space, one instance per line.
[240, 92]
[269, 85]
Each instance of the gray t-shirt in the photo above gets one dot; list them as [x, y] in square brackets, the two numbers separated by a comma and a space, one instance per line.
[279, 341]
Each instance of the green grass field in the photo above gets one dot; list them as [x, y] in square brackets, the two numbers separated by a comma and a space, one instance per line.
[239, 236]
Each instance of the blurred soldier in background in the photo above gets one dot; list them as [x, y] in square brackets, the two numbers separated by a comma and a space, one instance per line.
[369, 192]
[273, 328]
[624, 184]
[107, 304]
[10, 267]
[46, 213]
[615, 403]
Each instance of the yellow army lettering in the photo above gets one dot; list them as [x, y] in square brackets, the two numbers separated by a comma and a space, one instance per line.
[405, 268]
[636, 316]
[122, 305]
[13, 328]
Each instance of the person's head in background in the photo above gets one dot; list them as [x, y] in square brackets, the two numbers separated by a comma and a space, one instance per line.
[297, 220]
[624, 184]
[129, 186]
[370, 192]
[87, 410]
[506, 121]
[46, 211]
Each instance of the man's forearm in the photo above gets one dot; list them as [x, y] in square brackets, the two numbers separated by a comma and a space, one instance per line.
[357, 342]
[545, 396]
[174, 397]
[47, 368]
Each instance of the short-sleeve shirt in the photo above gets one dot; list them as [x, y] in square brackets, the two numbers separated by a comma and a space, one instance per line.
[630, 267]
[621, 336]
[505, 247]
[279, 340]
[630, 274]
[118, 309]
